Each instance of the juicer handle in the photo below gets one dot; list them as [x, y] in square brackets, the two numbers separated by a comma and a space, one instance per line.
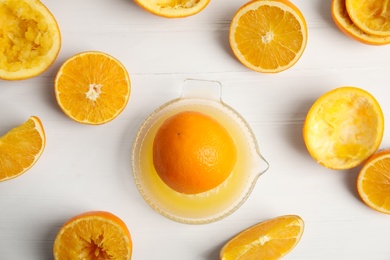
[197, 88]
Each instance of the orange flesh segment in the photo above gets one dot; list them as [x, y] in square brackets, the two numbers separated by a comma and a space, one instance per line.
[268, 240]
[20, 148]
[374, 182]
[268, 36]
[256, 39]
[92, 88]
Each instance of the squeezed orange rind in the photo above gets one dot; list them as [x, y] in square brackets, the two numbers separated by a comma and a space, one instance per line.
[93, 235]
[345, 24]
[172, 8]
[343, 128]
[30, 39]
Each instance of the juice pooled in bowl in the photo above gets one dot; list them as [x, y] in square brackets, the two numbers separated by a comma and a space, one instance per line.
[204, 199]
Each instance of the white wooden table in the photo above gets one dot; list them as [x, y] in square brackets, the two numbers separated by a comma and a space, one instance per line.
[88, 167]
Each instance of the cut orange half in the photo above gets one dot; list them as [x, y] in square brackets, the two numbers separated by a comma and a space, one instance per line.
[343, 128]
[30, 39]
[268, 35]
[373, 183]
[345, 24]
[267, 240]
[173, 8]
[92, 88]
[93, 235]
[21, 148]
[371, 16]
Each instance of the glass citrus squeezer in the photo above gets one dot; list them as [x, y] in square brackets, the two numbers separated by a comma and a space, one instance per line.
[202, 96]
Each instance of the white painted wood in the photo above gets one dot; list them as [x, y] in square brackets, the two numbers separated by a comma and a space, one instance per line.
[88, 168]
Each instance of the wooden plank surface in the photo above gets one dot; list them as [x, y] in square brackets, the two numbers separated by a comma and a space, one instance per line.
[88, 168]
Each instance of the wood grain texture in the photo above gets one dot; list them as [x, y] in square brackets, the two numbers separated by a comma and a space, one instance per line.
[88, 168]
